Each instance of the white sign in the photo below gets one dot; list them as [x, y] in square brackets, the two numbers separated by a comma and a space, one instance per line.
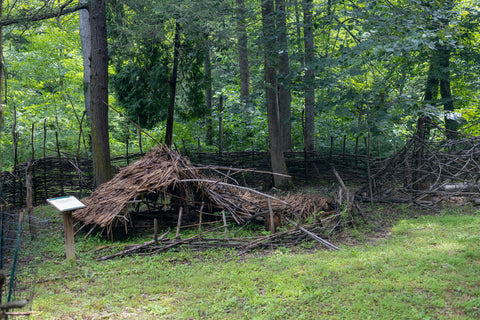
[66, 203]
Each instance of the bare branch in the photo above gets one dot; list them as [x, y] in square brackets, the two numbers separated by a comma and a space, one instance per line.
[46, 15]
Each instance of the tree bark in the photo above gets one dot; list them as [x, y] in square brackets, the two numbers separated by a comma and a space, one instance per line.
[99, 93]
[451, 124]
[284, 92]
[208, 94]
[309, 76]
[1, 77]
[173, 87]
[86, 41]
[243, 53]
[424, 123]
[276, 150]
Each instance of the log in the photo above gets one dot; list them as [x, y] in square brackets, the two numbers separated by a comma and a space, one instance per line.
[13, 304]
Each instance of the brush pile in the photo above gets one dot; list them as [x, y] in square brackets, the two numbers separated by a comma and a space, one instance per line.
[163, 180]
[427, 172]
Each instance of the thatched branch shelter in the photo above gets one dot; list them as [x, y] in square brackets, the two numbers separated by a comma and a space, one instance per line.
[165, 181]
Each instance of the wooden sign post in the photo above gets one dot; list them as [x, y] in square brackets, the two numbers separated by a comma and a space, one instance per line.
[66, 205]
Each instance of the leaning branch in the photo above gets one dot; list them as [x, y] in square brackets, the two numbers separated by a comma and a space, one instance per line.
[46, 15]
[234, 186]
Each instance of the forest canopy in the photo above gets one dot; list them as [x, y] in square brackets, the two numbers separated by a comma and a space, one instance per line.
[218, 69]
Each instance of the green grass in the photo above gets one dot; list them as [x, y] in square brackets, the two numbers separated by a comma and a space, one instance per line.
[427, 268]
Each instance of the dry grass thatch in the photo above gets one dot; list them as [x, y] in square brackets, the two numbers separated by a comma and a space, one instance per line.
[171, 180]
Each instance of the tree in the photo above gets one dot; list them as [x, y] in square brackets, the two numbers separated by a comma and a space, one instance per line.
[173, 86]
[36, 73]
[1, 75]
[309, 130]
[86, 40]
[208, 93]
[243, 52]
[274, 121]
[283, 82]
[99, 93]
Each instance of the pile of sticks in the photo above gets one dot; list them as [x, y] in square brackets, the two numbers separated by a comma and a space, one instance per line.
[288, 238]
[426, 171]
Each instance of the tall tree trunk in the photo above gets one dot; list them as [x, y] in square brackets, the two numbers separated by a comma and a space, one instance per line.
[276, 150]
[243, 52]
[284, 92]
[173, 87]
[86, 41]
[451, 124]
[208, 93]
[309, 76]
[1, 77]
[424, 125]
[99, 93]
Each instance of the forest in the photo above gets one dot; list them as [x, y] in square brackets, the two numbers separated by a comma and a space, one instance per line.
[86, 82]
[271, 75]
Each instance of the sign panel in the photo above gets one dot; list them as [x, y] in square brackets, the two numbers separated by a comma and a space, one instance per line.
[66, 203]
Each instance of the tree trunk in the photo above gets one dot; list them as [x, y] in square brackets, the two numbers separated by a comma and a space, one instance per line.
[173, 87]
[309, 77]
[208, 94]
[284, 93]
[243, 53]
[99, 93]
[1, 78]
[86, 41]
[423, 124]
[451, 124]
[273, 114]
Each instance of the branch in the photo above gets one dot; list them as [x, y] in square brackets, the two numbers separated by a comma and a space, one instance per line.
[233, 186]
[44, 16]
[314, 236]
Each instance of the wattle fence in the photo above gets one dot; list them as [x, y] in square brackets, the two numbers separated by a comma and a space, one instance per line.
[59, 176]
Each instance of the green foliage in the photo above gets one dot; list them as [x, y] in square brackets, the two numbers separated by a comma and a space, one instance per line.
[371, 66]
[141, 85]
[44, 84]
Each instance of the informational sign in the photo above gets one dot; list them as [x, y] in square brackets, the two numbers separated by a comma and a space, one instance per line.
[66, 203]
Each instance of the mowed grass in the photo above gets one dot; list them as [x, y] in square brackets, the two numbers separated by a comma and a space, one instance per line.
[426, 268]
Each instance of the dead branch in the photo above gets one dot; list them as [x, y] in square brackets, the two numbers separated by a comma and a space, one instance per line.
[132, 249]
[314, 236]
[235, 186]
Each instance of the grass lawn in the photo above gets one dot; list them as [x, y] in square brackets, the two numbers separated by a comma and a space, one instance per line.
[426, 267]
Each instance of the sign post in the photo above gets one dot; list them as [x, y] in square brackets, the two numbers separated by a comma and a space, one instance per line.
[66, 205]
